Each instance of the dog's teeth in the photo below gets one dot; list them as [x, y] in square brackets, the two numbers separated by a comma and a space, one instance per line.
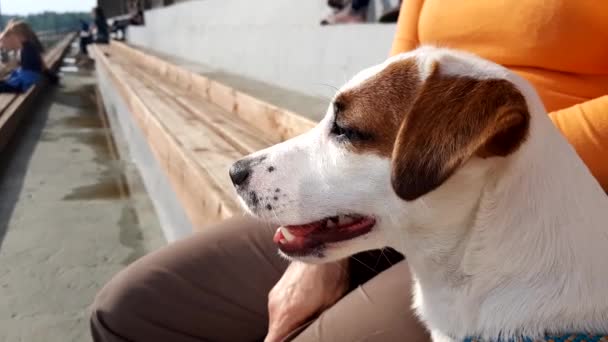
[331, 223]
[345, 220]
[286, 234]
[283, 241]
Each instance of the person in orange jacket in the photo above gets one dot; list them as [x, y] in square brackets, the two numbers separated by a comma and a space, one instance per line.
[561, 47]
[214, 286]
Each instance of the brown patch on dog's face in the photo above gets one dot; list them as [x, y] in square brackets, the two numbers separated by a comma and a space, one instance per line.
[377, 107]
[431, 128]
[452, 119]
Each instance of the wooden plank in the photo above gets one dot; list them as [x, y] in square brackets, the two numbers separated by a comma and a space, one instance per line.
[210, 207]
[245, 138]
[184, 158]
[279, 123]
[196, 127]
[234, 130]
[208, 149]
[5, 101]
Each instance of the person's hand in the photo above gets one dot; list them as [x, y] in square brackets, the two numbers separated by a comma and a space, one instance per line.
[304, 291]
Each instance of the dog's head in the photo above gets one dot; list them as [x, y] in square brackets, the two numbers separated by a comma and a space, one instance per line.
[404, 145]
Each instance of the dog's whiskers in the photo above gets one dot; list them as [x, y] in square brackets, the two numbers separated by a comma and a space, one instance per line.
[362, 263]
[269, 226]
[329, 86]
[377, 238]
[385, 256]
[275, 216]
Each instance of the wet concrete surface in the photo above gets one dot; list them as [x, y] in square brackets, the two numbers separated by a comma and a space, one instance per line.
[72, 214]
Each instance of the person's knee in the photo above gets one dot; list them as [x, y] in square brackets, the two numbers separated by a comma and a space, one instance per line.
[107, 309]
[118, 305]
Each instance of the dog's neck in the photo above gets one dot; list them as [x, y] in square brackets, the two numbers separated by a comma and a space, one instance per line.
[530, 261]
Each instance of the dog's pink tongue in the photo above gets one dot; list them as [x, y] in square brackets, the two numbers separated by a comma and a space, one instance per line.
[303, 230]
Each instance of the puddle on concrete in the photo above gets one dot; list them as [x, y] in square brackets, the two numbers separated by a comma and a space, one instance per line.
[86, 128]
[81, 121]
[130, 234]
[100, 191]
[97, 141]
[112, 184]
[86, 97]
[107, 188]
[49, 137]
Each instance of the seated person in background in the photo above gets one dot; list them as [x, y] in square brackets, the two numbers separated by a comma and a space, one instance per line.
[137, 18]
[99, 33]
[19, 36]
[85, 37]
[102, 31]
[120, 25]
[391, 13]
[346, 12]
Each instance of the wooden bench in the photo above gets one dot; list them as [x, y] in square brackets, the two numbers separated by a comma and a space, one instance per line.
[195, 126]
[14, 107]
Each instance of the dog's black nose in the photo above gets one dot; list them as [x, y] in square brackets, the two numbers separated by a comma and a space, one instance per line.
[239, 172]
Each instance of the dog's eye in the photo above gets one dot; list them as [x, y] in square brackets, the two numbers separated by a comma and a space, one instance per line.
[337, 130]
[349, 134]
[338, 107]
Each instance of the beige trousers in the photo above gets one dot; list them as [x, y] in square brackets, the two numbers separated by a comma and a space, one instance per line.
[214, 285]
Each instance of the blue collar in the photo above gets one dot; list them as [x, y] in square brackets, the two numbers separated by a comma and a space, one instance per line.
[548, 338]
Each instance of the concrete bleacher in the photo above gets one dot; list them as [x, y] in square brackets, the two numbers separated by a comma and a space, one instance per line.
[194, 128]
[311, 107]
[14, 107]
[279, 42]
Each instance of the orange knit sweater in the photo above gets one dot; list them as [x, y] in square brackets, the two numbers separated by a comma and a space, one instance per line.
[560, 46]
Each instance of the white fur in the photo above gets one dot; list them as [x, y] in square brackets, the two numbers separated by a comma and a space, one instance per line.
[508, 246]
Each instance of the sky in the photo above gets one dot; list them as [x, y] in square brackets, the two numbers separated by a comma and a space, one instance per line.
[36, 6]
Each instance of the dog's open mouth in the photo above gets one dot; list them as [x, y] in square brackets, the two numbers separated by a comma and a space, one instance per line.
[303, 239]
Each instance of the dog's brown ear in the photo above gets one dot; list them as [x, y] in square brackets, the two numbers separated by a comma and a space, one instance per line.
[451, 119]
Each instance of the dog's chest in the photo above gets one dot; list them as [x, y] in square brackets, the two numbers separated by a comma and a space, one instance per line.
[549, 338]
[438, 337]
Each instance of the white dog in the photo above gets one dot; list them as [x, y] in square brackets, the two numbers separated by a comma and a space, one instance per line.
[453, 161]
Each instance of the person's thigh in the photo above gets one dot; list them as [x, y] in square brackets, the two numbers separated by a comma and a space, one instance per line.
[379, 310]
[212, 286]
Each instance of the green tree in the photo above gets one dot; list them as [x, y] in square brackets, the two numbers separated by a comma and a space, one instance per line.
[51, 21]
